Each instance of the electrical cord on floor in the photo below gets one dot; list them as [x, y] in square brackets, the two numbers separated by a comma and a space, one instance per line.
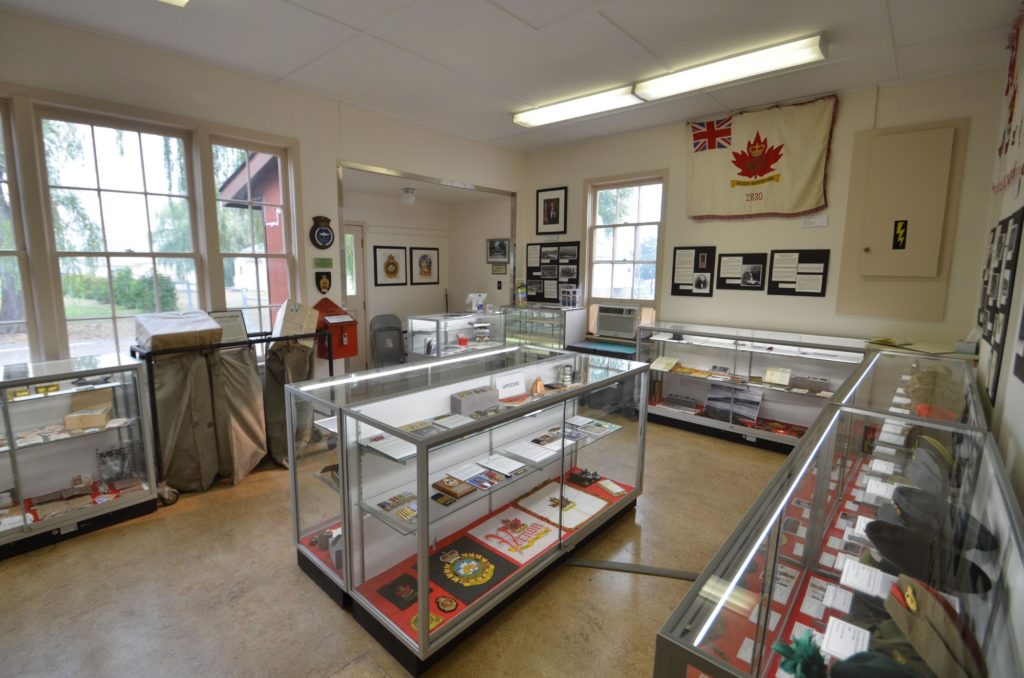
[633, 568]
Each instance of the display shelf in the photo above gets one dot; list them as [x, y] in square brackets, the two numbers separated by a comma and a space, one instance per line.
[877, 503]
[14, 399]
[392, 568]
[71, 435]
[451, 334]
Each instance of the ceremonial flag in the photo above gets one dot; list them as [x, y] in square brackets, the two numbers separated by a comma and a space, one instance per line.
[769, 163]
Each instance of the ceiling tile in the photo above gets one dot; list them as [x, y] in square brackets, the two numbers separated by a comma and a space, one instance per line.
[580, 55]
[915, 21]
[539, 13]
[267, 37]
[542, 138]
[983, 49]
[356, 13]
[412, 88]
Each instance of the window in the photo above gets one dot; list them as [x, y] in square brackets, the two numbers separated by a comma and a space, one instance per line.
[252, 232]
[14, 346]
[122, 228]
[624, 248]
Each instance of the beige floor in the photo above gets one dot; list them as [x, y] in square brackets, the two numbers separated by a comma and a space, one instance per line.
[210, 587]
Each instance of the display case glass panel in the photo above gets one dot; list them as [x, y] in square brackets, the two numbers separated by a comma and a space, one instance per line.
[447, 334]
[463, 477]
[907, 548]
[549, 326]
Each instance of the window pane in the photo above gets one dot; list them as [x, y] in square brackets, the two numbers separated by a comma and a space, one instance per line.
[269, 226]
[643, 283]
[132, 280]
[650, 202]
[240, 287]
[277, 281]
[119, 159]
[601, 285]
[6, 215]
[252, 320]
[234, 228]
[12, 299]
[265, 178]
[176, 282]
[14, 345]
[264, 296]
[76, 220]
[126, 222]
[69, 154]
[622, 281]
[629, 205]
[86, 287]
[647, 242]
[164, 161]
[172, 226]
[603, 239]
[624, 241]
[607, 207]
[350, 265]
[91, 337]
[230, 173]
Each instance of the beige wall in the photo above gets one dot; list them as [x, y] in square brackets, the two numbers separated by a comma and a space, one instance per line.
[472, 223]
[975, 96]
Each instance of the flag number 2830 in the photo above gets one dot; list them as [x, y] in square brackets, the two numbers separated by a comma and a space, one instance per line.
[753, 197]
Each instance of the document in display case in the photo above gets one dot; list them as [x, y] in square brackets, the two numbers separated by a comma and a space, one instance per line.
[889, 543]
[75, 451]
[762, 385]
[455, 512]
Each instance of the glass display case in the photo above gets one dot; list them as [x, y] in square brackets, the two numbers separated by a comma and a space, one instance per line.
[434, 491]
[447, 334]
[759, 384]
[547, 325]
[887, 544]
[74, 449]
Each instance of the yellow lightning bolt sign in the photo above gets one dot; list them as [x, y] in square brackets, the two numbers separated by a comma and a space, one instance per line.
[899, 238]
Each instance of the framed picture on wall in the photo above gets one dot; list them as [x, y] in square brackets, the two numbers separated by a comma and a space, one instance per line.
[424, 263]
[551, 206]
[388, 265]
[497, 250]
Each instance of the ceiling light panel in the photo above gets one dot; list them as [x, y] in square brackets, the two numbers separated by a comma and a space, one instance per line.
[176, 3]
[577, 108]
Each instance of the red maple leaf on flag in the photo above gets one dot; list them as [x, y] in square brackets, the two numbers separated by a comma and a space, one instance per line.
[758, 159]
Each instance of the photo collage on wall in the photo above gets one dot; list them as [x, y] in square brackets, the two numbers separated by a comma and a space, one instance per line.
[550, 268]
[996, 294]
[693, 271]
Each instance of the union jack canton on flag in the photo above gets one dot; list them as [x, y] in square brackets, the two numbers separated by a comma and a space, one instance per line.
[712, 134]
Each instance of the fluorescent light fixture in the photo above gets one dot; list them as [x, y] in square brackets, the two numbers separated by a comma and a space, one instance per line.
[577, 108]
[176, 3]
[759, 62]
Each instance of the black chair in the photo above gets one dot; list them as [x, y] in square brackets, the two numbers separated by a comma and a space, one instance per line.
[387, 341]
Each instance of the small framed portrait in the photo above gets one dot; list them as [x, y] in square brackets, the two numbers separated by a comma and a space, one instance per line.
[551, 208]
[497, 250]
[388, 266]
[424, 263]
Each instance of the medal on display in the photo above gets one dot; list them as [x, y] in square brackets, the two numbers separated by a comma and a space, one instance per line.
[446, 604]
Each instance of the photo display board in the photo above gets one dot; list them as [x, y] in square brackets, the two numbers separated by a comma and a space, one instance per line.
[798, 273]
[693, 271]
[996, 295]
[551, 267]
[742, 271]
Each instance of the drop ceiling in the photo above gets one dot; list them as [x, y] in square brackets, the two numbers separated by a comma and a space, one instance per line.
[466, 66]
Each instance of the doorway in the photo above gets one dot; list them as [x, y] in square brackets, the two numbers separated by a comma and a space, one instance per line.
[355, 290]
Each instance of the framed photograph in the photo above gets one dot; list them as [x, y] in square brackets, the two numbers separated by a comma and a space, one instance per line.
[497, 251]
[388, 266]
[551, 206]
[424, 263]
[499, 269]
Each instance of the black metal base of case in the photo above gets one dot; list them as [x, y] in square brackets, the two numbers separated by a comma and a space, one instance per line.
[54, 536]
[770, 445]
[326, 584]
[416, 666]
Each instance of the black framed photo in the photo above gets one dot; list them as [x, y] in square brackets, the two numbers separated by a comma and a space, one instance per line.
[497, 250]
[424, 263]
[388, 265]
[551, 208]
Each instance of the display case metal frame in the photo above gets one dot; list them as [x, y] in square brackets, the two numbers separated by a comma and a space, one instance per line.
[429, 336]
[547, 325]
[425, 648]
[84, 519]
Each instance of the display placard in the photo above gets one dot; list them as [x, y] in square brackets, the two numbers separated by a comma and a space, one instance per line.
[996, 295]
[550, 268]
[742, 271]
[798, 273]
[693, 271]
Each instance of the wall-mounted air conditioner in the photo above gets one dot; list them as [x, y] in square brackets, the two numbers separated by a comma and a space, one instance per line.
[617, 321]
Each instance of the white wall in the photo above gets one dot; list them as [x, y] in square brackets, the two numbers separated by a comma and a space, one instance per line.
[974, 95]
[472, 223]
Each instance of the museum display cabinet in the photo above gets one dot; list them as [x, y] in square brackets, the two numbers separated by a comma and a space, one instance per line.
[427, 494]
[75, 449]
[546, 325]
[759, 384]
[889, 543]
[446, 334]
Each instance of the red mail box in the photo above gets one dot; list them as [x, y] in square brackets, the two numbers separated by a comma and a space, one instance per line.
[343, 329]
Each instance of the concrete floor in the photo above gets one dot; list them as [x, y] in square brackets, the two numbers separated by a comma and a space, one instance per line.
[210, 587]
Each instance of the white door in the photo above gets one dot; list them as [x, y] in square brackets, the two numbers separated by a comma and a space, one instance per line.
[355, 298]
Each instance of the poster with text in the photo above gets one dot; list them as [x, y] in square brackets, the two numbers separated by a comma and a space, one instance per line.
[742, 271]
[693, 271]
[997, 293]
[798, 273]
